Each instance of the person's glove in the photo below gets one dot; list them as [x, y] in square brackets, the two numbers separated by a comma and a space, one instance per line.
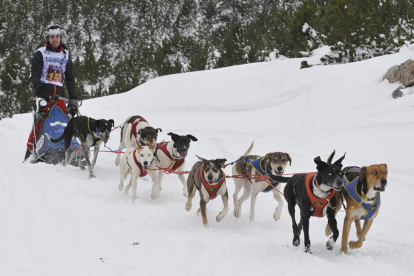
[42, 94]
[41, 106]
[73, 107]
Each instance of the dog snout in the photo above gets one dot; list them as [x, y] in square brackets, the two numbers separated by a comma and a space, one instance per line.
[383, 181]
[210, 177]
[145, 163]
[279, 168]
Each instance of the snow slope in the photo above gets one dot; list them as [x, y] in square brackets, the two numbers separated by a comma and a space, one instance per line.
[56, 221]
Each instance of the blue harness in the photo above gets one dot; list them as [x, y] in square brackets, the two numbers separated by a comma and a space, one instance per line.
[257, 165]
[350, 187]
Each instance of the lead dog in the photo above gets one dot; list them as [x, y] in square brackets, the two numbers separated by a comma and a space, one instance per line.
[208, 178]
[91, 133]
[362, 196]
[171, 156]
[138, 162]
[273, 163]
[315, 195]
[136, 130]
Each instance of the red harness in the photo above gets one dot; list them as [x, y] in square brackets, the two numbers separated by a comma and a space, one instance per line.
[135, 124]
[318, 203]
[211, 189]
[142, 171]
[176, 162]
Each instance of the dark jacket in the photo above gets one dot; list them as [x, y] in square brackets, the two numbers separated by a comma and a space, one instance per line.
[46, 90]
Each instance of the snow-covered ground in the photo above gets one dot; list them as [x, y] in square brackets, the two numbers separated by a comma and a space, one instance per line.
[56, 221]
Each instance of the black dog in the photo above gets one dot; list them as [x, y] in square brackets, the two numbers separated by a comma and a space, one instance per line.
[172, 155]
[314, 193]
[90, 132]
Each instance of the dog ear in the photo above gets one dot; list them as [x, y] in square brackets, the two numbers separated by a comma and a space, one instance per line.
[339, 161]
[329, 161]
[267, 156]
[159, 129]
[139, 146]
[320, 164]
[363, 179]
[385, 165]
[191, 137]
[221, 161]
[289, 159]
[142, 132]
[174, 136]
[201, 158]
[112, 122]
[363, 174]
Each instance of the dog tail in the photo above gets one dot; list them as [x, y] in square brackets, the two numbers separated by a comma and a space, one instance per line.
[249, 149]
[58, 139]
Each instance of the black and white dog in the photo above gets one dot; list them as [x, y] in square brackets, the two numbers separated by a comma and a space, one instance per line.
[315, 195]
[90, 132]
[171, 156]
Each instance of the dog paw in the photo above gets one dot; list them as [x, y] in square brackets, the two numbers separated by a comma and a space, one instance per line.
[344, 250]
[308, 249]
[236, 212]
[277, 214]
[251, 217]
[354, 245]
[188, 206]
[185, 193]
[92, 175]
[120, 187]
[330, 243]
[220, 216]
[206, 226]
[154, 194]
[296, 242]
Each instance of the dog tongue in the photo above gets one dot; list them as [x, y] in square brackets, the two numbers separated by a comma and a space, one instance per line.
[145, 168]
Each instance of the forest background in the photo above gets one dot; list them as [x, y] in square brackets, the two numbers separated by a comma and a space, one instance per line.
[118, 45]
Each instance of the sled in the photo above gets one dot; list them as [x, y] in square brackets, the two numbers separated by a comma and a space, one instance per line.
[52, 127]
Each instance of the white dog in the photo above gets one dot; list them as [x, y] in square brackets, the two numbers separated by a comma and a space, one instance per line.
[137, 130]
[138, 162]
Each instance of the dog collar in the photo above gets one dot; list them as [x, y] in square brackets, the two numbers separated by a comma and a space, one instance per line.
[176, 162]
[258, 166]
[142, 171]
[317, 203]
[351, 188]
[315, 182]
[212, 189]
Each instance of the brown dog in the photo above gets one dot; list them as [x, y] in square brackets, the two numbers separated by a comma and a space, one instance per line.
[208, 178]
[362, 195]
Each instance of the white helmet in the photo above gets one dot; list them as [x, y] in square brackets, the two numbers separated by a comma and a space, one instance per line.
[52, 30]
